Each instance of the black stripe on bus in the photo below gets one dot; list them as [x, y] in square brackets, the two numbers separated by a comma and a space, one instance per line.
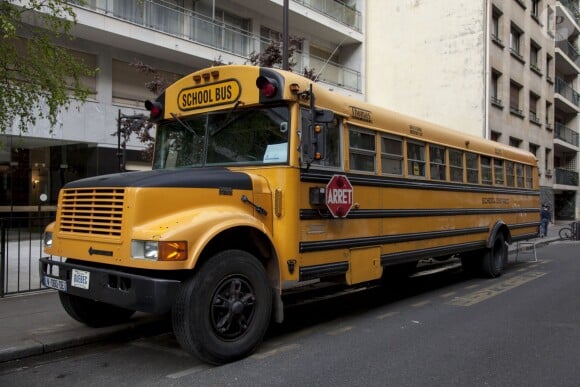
[323, 177]
[324, 270]
[406, 256]
[310, 214]
[349, 243]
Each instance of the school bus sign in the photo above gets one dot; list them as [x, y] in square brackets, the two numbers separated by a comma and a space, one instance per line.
[214, 94]
[339, 196]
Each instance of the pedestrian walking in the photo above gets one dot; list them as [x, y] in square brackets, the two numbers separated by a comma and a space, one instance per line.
[545, 219]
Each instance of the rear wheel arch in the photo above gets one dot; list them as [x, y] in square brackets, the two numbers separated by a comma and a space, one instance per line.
[499, 228]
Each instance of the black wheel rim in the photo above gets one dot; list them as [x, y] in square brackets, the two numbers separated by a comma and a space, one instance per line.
[232, 307]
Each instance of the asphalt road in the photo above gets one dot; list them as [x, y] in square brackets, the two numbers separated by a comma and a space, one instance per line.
[443, 329]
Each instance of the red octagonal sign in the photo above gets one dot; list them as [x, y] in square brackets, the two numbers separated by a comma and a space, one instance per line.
[339, 196]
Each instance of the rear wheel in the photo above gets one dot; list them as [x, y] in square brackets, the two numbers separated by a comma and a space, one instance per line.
[93, 313]
[494, 258]
[221, 313]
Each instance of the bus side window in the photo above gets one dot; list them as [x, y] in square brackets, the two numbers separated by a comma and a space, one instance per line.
[456, 165]
[529, 178]
[510, 173]
[498, 171]
[437, 162]
[486, 170]
[520, 175]
[472, 168]
[333, 152]
[391, 155]
[362, 152]
[416, 158]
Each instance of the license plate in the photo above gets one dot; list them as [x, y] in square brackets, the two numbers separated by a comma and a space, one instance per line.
[54, 283]
[80, 279]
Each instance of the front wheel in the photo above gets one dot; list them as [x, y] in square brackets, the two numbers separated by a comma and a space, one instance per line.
[565, 233]
[223, 311]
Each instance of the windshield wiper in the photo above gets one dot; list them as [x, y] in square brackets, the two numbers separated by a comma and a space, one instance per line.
[185, 125]
[228, 120]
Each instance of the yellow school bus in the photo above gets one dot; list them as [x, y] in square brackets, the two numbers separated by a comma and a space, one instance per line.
[263, 181]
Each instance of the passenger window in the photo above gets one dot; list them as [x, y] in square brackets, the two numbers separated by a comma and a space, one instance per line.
[362, 150]
[520, 175]
[416, 158]
[486, 170]
[529, 177]
[456, 165]
[392, 155]
[472, 168]
[510, 173]
[498, 171]
[437, 162]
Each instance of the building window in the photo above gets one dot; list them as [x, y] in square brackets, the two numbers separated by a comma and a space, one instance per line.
[515, 142]
[494, 136]
[534, 118]
[550, 21]
[456, 165]
[515, 41]
[392, 155]
[472, 168]
[515, 99]
[416, 158]
[437, 162]
[547, 167]
[535, 50]
[549, 62]
[496, 88]
[496, 26]
[534, 149]
[536, 9]
[362, 150]
[548, 115]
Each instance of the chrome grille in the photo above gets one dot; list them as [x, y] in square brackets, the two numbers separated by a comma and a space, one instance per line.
[92, 211]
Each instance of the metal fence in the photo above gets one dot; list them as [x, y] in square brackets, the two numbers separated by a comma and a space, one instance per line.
[21, 247]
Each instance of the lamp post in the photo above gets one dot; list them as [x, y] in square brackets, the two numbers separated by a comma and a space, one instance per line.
[285, 65]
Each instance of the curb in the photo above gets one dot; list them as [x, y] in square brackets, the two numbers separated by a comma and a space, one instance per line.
[51, 342]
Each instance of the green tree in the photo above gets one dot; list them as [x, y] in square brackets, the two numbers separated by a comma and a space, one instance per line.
[38, 77]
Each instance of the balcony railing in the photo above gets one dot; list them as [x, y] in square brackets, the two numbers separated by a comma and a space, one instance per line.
[572, 8]
[567, 92]
[566, 177]
[566, 134]
[570, 51]
[198, 28]
[336, 10]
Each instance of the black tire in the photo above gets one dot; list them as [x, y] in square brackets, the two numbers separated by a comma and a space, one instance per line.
[93, 313]
[495, 258]
[223, 311]
[565, 233]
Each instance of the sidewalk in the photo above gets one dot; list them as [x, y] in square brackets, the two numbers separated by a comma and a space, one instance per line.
[34, 324]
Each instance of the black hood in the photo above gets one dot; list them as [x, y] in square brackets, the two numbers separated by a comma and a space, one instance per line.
[180, 178]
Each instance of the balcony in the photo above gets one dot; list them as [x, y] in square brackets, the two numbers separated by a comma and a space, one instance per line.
[197, 28]
[566, 134]
[570, 51]
[573, 9]
[565, 177]
[336, 10]
[567, 92]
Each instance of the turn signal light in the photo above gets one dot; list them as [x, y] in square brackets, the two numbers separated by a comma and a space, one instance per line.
[172, 251]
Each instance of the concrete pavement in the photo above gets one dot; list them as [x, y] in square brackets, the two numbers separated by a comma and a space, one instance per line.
[35, 324]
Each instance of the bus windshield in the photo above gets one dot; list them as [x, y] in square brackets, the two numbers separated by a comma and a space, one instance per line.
[250, 136]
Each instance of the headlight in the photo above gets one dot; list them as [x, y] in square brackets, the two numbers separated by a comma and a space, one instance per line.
[47, 239]
[144, 249]
[159, 250]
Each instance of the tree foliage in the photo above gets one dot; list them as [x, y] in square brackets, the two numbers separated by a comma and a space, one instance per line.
[38, 77]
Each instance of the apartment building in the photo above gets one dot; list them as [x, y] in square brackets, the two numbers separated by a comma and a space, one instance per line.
[505, 70]
[175, 37]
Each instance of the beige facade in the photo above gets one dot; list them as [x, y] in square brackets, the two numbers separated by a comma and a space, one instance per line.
[487, 67]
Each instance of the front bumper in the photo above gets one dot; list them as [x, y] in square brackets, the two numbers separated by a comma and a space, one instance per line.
[130, 291]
